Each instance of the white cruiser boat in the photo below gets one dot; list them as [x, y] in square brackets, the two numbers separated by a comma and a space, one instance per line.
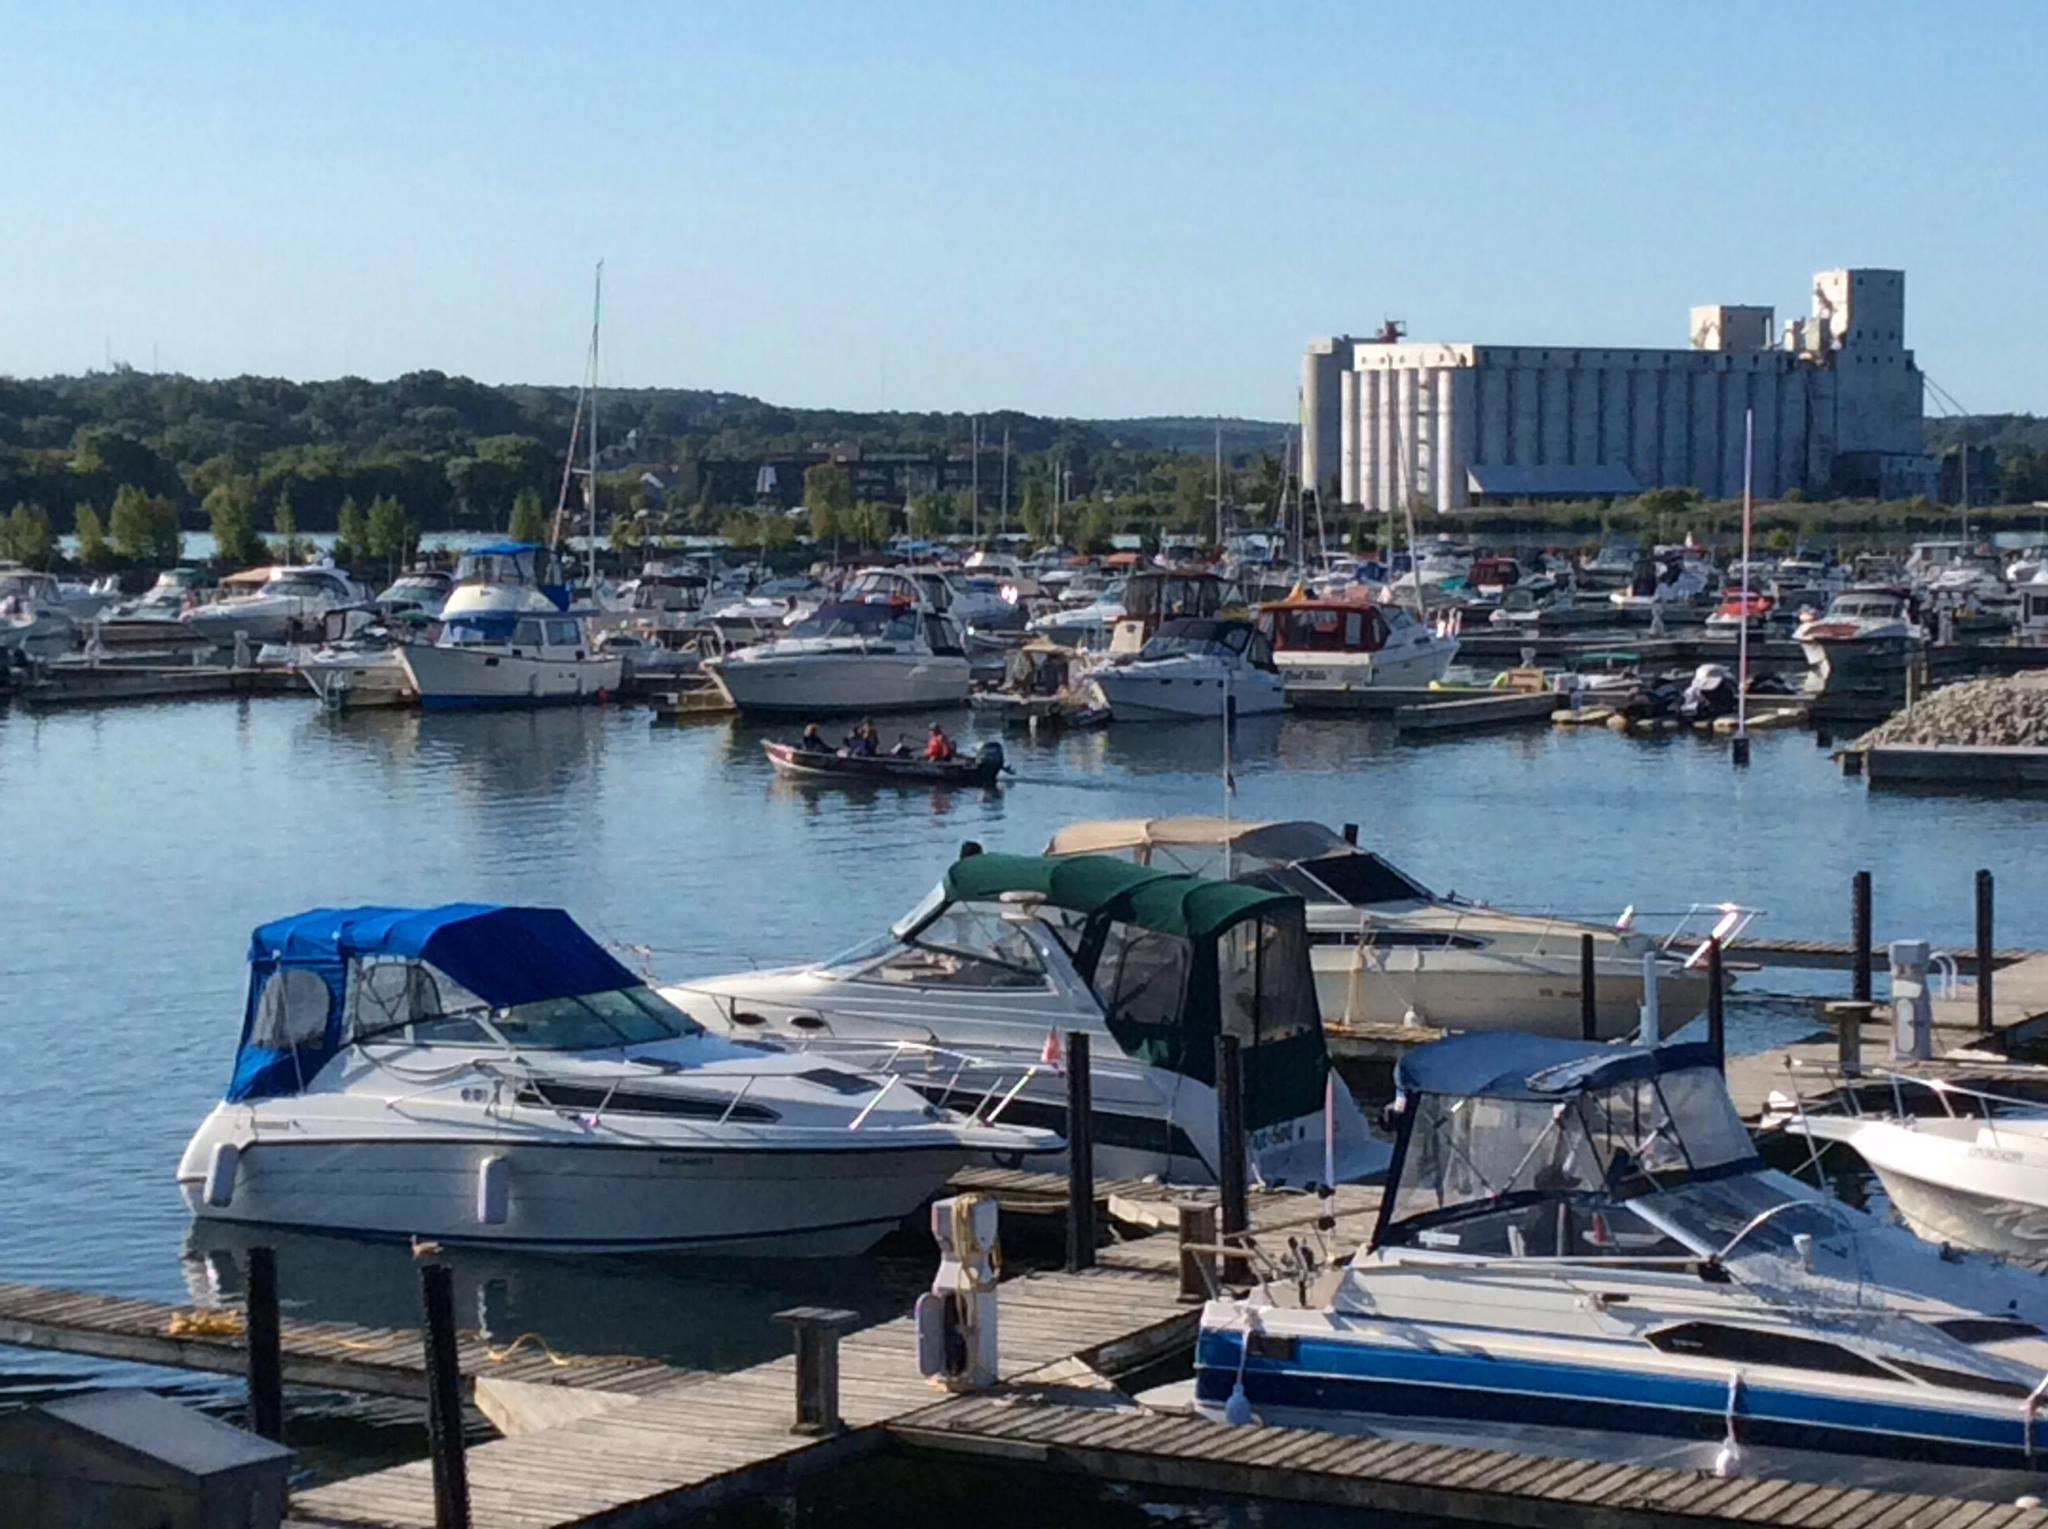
[422, 592]
[1190, 668]
[1579, 1253]
[1867, 629]
[482, 1074]
[505, 658]
[1325, 649]
[33, 618]
[1387, 950]
[1974, 1176]
[1663, 582]
[279, 604]
[890, 651]
[1544, 601]
[507, 578]
[969, 997]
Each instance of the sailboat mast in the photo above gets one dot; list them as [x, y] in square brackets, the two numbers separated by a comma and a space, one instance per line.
[1219, 482]
[590, 488]
[1742, 631]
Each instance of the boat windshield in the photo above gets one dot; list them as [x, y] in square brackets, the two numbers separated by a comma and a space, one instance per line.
[497, 568]
[412, 1002]
[1361, 880]
[1179, 639]
[1471, 1155]
[962, 945]
[868, 622]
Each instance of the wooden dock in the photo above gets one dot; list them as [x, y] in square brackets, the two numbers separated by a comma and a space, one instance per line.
[332, 1355]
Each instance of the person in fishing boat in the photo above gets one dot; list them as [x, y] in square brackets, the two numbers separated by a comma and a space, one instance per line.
[939, 748]
[862, 742]
[811, 742]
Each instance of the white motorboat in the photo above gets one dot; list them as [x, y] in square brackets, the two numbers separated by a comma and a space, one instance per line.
[356, 662]
[969, 997]
[1974, 1177]
[1542, 601]
[279, 604]
[2032, 620]
[1867, 629]
[668, 596]
[1087, 625]
[1387, 950]
[1325, 649]
[507, 658]
[33, 617]
[422, 592]
[471, 1073]
[507, 578]
[1579, 1253]
[1664, 582]
[2029, 566]
[1194, 668]
[1612, 567]
[888, 651]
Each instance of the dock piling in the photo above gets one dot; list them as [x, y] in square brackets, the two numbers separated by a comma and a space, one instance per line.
[1859, 919]
[1717, 1032]
[1080, 1157]
[444, 1399]
[1984, 962]
[1589, 1021]
[1230, 1167]
[1350, 833]
[1197, 1230]
[1848, 1019]
[818, 1329]
[266, 1357]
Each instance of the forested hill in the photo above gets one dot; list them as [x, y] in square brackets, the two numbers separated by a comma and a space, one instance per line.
[454, 450]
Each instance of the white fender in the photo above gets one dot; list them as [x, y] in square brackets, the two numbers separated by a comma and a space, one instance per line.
[220, 1173]
[493, 1191]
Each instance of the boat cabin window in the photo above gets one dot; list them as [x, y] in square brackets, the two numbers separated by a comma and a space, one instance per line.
[938, 636]
[1140, 976]
[1750, 1345]
[870, 623]
[1262, 980]
[564, 634]
[1178, 638]
[625, 1017]
[969, 945]
[1361, 880]
[292, 1011]
[526, 634]
[497, 568]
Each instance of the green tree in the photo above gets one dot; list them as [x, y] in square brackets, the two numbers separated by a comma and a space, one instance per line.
[869, 523]
[93, 550]
[625, 533]
[742, 528]
[828, 495]
[390, 535]
[352, 540]
[1668, 501]
[144, 527]
[288, 547]
[931, 516]
[228, 513]
[529, 520]
[1091, 530]
[1034, 510]
[26, 537]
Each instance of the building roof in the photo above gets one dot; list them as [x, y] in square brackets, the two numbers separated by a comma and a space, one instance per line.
[1552, 481]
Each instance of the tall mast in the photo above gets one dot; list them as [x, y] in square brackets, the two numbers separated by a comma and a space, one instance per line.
[1742, 631]
[1004, 522]
[1219, 482]
[974, 453]
[590, 486]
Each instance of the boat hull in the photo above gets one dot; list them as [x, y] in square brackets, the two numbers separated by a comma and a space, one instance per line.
[1532, 994]
[828, 684]
[1961, 1183]
[882, 769]
[362, 679]
[1852, 658]
[1137, 696]
[447, 678]
[1398, 670]
[579, 1197]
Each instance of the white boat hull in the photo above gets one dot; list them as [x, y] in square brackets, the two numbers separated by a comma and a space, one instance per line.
[573, 1196]
[1137, 693]
[1849, 658]
[483, 676]
[1957, 1180]
[1454, 990]
[359, 679]
[819, 684]
[1368, 671]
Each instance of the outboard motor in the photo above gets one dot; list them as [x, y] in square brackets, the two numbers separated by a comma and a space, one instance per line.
[991, 752]
[1711, 694]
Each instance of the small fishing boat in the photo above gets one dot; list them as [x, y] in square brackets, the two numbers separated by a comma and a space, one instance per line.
[983, 768]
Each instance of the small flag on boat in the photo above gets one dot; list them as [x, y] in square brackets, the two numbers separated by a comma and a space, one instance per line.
[1052, 1053]
[1628, 916]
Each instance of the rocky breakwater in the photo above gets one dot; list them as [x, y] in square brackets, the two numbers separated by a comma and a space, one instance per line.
[1997, 713]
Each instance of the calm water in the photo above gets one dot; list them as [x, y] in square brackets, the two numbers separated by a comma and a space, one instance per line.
[142, 844]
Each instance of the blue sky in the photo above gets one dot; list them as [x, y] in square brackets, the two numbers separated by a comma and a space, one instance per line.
[1090, 208]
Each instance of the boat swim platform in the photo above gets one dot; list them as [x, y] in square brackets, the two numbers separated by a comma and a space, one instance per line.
[335, 1356]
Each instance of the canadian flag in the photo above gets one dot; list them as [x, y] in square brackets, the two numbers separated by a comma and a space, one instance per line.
[1051, 1053]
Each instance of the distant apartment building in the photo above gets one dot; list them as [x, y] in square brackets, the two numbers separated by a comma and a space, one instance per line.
[1835, 399]
[886, 477]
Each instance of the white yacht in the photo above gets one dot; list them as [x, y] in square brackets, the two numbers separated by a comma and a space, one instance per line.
[1545, 601]
[668, 596]
[1387, 950]
[969, 997]
[2032, 620]
[1086, 625]
[1193, 667]
[472, 1073]
[277, 604]
[507, 578]
[33, 617]
[356, 662]
[1579, 1253]
[537, 658]
[1867, 629]
[422, 592]
[1325, 649]
[887, 650]
[1661, 583]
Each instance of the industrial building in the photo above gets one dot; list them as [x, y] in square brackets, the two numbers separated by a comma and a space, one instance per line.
[1836, 400]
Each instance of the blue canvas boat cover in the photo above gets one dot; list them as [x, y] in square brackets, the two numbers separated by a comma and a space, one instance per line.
[1507, 1066]
[505, 956]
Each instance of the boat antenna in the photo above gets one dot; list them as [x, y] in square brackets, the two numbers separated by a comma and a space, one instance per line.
[1229, 779]
[1741, 751]
[590, 487]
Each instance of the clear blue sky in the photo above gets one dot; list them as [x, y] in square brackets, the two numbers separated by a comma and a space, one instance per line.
[1091, 209]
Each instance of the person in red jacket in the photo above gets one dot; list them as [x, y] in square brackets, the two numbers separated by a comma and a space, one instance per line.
[939, 748]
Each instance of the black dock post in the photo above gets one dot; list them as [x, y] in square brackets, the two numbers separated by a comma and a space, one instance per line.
[1350, 833]
[1717, 1031]
[1080, 1157]
[1230, 1174]
[444, 1400]
[1859, 916]
[817, 1365]
[266, 1363]
[1589, 1014]
[1984, 952]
